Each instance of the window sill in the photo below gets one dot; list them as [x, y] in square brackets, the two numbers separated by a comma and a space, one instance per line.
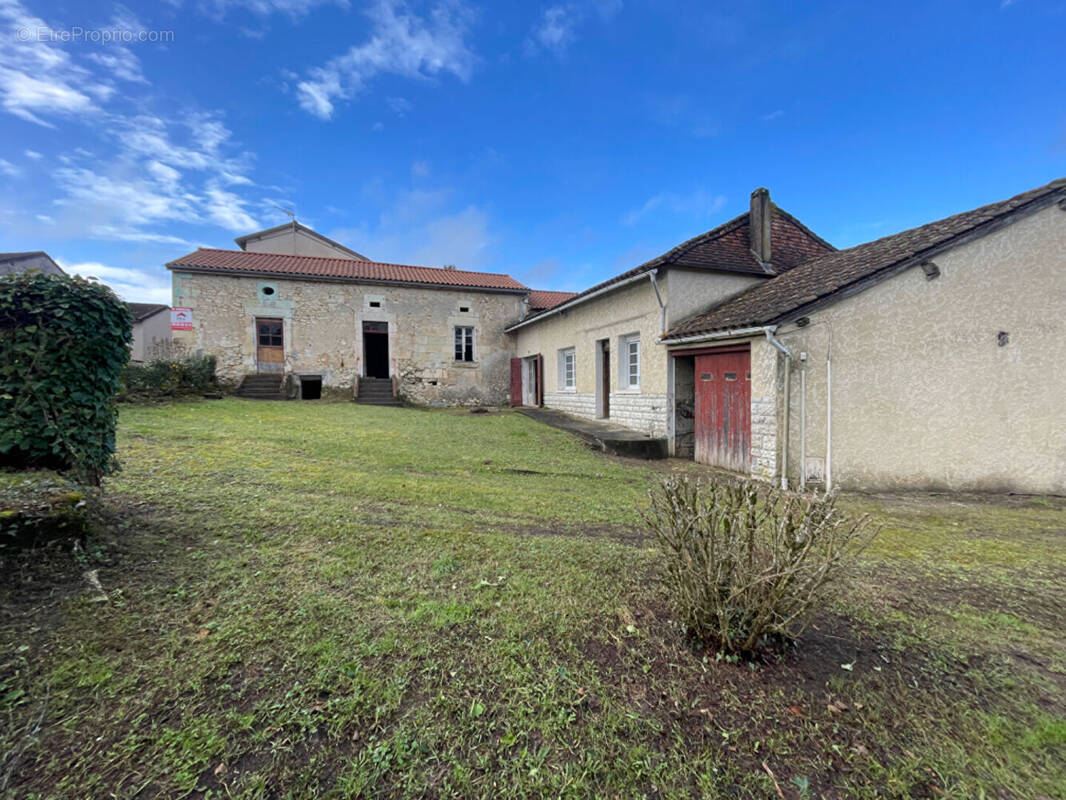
[571, 390]
[466, 364]
[628, 390]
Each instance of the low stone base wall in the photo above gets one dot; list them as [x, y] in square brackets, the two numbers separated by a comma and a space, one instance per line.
[639, 412]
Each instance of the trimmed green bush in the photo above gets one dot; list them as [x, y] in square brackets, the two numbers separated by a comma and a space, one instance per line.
[63, 343]
[747, 566]
[170, 376]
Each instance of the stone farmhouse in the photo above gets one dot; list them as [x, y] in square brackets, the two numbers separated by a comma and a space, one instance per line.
[927, 359]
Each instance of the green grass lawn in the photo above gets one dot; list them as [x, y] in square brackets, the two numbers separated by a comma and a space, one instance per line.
[329, 600]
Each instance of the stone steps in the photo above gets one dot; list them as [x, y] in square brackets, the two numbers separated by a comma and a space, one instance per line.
[261, 387]
[376, 392]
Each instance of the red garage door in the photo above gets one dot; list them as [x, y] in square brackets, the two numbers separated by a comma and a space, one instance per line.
[723, 409]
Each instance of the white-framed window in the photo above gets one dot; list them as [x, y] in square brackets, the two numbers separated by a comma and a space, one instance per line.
[629, 361]
[567, 369]
[464, 343]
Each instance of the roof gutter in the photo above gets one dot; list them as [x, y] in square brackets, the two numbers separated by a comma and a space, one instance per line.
[577, 300]
[732, 333]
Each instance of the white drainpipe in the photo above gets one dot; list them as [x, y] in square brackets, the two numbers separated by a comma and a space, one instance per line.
[803, 422]
[828, 423]
[769, 331]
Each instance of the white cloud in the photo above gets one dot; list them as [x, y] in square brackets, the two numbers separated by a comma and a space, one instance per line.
[401, 43]
[422, 226]
[33, 154]
[462, 239]
[9, 169]
[400, 105]
[294, 8]
[132, 285]
[420, 169]
[228, 211]
[39, 79]
[557, 27]
[698, 203]
[163, 173]
[773, 115]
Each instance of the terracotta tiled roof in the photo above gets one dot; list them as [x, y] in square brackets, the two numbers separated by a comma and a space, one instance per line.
[142, 311]
[239, 262]
[727, 248]
[821, 278]
[541, 300]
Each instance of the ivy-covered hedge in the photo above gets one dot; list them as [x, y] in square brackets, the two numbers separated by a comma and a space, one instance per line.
[63, 343]
[169, 377]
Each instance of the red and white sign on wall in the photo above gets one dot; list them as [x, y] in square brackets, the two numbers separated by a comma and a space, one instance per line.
[181, 319]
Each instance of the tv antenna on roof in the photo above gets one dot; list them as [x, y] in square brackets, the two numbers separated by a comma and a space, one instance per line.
[289, 211]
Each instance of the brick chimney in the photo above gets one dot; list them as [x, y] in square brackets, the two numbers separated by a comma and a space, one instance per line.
[759, 225]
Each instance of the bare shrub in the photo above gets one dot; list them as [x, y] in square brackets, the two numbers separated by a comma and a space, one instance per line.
[747, 565]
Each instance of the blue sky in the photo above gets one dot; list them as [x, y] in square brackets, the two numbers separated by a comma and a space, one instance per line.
[559, 142]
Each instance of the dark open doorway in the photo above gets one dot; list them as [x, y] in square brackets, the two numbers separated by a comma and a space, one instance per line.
[376, 349]
[310, 387]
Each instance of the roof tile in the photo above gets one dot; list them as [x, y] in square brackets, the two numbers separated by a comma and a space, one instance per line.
[822, 277]
[237, 262]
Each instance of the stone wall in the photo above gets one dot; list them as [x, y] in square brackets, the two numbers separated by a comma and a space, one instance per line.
[764, 417]
[323, 323]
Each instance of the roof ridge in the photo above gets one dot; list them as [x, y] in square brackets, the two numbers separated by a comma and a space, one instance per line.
[842, 269]
[337, 258]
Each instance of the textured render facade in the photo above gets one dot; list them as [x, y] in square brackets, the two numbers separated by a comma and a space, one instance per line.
[931, 359]
[632, 309]
[323, 332]
[151, 329]
[295, 239]
[951, 383]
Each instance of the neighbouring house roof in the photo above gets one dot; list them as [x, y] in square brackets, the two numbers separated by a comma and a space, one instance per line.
[238, 262]
[542, 300]
[823, 279]
[142, 311]
[726, 248]
[242, 241]
[11, 263]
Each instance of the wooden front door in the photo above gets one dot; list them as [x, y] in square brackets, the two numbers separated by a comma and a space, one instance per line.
[270, 344]
[723, 410]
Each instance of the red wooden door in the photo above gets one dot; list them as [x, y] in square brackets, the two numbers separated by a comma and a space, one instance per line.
[516, 381]
[723, 410]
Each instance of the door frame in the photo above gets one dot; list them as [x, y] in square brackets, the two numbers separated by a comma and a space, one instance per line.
[257, 321]
[387, 333]
[603, 378]
[742, 463]
[531, 388]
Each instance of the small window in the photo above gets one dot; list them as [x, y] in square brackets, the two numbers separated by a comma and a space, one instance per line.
[567, 368]
[269, 290]
[464, 309]
[464, 343]
[375, 304]
[270, 334]
[631, 361]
